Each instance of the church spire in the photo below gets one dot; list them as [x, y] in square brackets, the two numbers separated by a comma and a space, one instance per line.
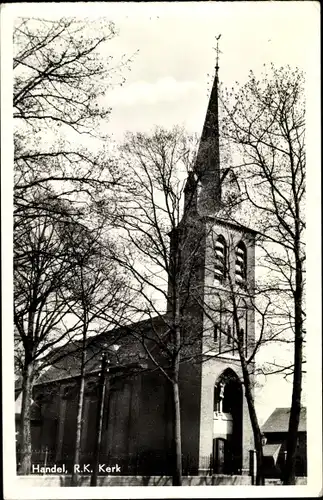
[208, 158]
[211, 123]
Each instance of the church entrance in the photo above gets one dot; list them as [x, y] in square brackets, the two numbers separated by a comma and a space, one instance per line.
[227, 424]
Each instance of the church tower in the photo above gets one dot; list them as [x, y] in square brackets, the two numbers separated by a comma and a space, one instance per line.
[215, 422]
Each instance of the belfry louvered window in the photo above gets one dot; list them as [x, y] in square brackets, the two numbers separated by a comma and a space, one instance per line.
[220, 259]
[241, 264]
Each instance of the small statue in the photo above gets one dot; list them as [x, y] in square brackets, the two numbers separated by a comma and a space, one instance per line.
[221, 391]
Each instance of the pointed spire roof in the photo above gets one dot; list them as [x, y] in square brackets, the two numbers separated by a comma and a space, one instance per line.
[211, 123]
[208, 157]
[210, 132]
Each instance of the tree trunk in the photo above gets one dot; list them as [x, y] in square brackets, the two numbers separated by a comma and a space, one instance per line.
[99, 421]
[25, 436]
[177, 441]
[79, 422]
[294, 418]
[260, 480]
[177, 438]
[257, 435]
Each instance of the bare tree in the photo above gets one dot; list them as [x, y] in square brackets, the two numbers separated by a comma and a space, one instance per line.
[149, 226]
[97, 294]
[163, 245]
[266, 120]
[61, 75]
[41, 273]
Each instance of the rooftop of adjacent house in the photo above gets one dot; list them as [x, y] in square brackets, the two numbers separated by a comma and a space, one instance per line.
[279, 419]
[272, 450]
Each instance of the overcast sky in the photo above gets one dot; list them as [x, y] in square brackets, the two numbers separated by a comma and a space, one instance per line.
[172, 71]
[168, 83]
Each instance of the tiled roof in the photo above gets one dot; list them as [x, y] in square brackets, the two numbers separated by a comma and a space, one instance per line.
[130, 353]
[279, 420]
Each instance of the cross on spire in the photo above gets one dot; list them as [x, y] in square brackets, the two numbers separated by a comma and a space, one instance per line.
[218, 51]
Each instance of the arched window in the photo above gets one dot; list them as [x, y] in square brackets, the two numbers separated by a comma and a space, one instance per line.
[233, 331]
[241, 336]
[229, 334]
[217, 325]
[216, 332]
[241, 264]
[217, 337]
[243, 320]
[246, 332]
[220, 259]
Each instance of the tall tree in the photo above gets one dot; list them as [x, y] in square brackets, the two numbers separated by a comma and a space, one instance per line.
[265, 119]
[163, 250]
[97, 294]
[148, 222]
[41, 273]
[61, 75]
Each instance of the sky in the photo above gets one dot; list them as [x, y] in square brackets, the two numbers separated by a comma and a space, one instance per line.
[172, 71]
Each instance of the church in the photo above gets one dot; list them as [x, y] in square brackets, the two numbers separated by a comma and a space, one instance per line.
[216, 432]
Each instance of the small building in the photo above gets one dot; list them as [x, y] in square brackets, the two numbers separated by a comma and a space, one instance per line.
[275, 430]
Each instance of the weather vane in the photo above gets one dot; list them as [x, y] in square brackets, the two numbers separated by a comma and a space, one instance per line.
[217, 54]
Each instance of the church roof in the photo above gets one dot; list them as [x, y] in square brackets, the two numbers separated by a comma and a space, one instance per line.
[66, 359]
[279, 420]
